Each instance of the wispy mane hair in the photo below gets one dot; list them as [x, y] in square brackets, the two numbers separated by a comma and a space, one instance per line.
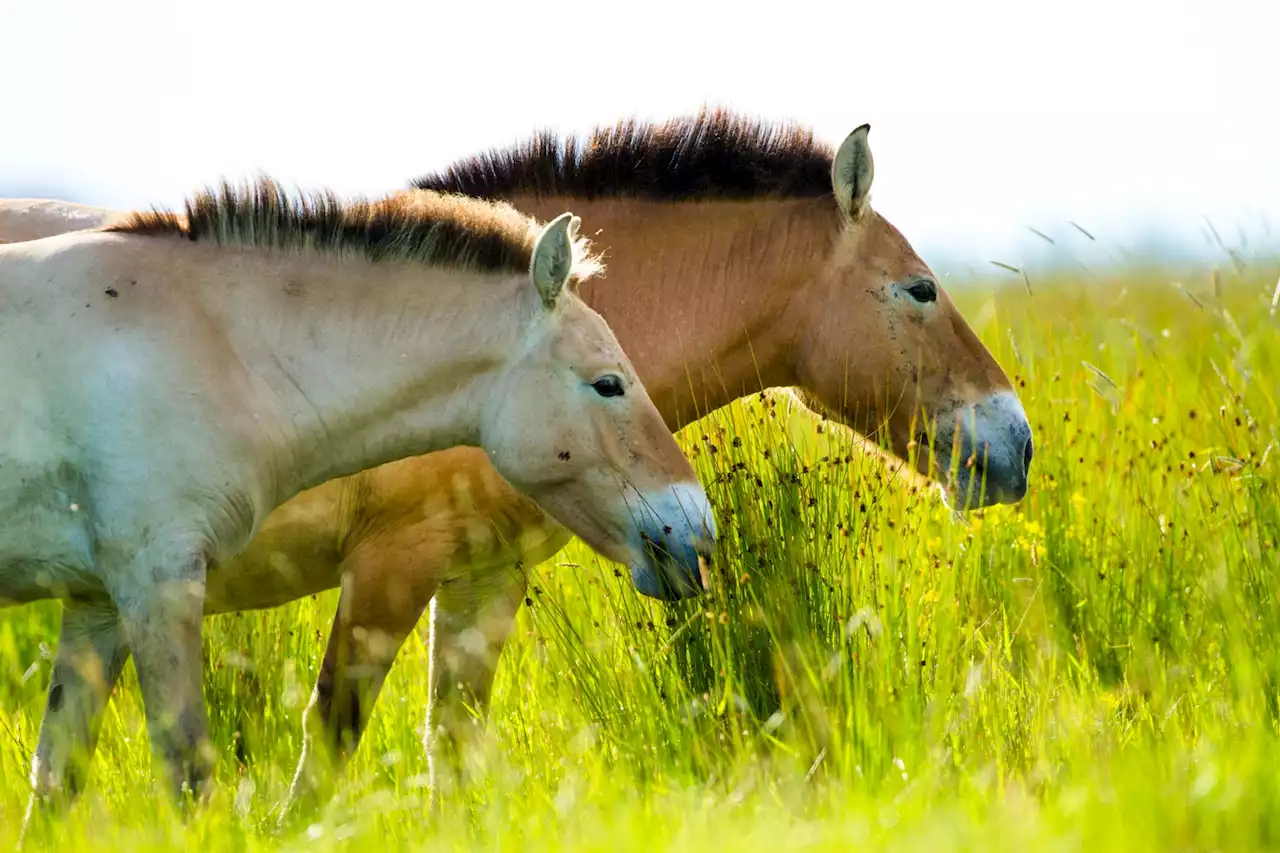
[714, 154]
[431, 228]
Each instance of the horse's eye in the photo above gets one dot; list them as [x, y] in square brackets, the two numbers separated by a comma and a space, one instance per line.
[608, 386]
[923, 291]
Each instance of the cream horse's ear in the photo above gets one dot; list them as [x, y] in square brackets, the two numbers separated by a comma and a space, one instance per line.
[852, 171]
[553, 257]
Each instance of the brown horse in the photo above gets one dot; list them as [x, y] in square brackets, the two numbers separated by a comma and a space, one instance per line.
[741, 256]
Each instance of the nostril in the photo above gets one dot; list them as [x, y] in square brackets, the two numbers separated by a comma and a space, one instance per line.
[1028, 451]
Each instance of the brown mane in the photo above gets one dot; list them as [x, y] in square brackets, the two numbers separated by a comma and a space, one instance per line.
[427, 228]
[714, 154]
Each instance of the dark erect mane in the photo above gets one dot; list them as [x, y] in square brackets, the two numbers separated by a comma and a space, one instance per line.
[712, 155]
[427, 228]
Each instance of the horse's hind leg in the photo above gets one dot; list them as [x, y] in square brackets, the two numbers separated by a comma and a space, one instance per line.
[383, 596]
[471, 620]
[91, 654]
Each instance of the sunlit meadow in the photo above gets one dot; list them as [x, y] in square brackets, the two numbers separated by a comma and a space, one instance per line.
[1096, 668]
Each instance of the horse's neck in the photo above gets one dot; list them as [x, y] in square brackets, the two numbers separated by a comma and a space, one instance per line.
[696, 291]
[370, 363]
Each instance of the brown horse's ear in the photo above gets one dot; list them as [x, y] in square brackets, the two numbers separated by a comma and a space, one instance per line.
[852, 171]
[553, 257]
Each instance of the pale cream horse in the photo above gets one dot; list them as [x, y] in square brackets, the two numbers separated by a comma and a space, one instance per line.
[741, 256]
[170, 381]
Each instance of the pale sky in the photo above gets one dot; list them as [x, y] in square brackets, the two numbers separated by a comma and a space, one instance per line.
[1125, 116]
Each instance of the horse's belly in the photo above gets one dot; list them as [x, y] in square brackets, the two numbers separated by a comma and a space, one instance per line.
[255, 581]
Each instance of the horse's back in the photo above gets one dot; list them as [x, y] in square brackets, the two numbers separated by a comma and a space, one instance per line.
[42, 273]
[50, 307]
[23, 219]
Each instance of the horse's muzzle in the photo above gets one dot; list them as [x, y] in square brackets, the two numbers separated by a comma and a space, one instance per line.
[677, 537]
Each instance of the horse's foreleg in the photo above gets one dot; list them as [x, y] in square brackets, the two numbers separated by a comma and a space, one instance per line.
[91, 654]
[471, 620]
[161, 607]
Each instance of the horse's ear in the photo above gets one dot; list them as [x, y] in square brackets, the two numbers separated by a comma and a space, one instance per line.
[852, 171]
[553, 257]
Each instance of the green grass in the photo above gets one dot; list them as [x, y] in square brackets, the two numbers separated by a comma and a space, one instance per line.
[1094, 669]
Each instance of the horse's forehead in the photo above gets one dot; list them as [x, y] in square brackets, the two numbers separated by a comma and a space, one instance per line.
[880, 242]
[582, 333]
